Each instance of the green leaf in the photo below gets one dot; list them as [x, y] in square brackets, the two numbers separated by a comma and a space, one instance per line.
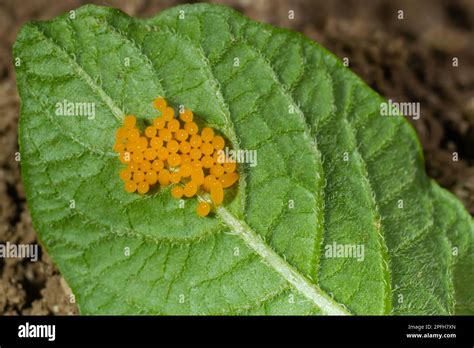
[331, 171]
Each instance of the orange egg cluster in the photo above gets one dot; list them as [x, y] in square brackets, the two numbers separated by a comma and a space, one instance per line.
[173, 151]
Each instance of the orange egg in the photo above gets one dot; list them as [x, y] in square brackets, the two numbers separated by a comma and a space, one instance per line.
[150, 154]
[143, 187]
[159, 123]
[121, 133]
[218, 142]
[165, 134]
[173, 125]
[133, 166]
[156, 142]
[145, 166]
[196, 164]
[177, 192]
[197, 176]
[168, 114]
[195, 141]
[151, 177]
[175, 177]
[130, 145]
[160, 103]
[229, 179]
[208, 180]
[157, 165]
[207, 162]
[172, 146]
[129, 121]
[185, 170]
[163, 153]
[217, 170]
[185, 158]
[186, 115]
[174, 160]
[191, 127]
[181, 135]
[207, 148]
[184, 147]
[138, 157]
[142, 144]
[217, 192]
[126, 174]
[190, 189]
[130, 186]
[203, 209]
[150, 131]
[207, 134]
[164, 177]
[229, 167]
[133, 134]
[125, 157]
[195, 154]
[138, 176]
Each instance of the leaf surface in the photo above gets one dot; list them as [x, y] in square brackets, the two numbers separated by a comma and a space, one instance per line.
[321, 144]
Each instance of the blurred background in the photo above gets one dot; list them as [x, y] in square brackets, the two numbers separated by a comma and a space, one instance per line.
[406, 60]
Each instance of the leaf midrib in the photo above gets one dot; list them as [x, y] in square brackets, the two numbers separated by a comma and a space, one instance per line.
[311, 291]
[320, 298]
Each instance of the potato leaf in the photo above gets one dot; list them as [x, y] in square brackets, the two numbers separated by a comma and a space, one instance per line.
[337, 217]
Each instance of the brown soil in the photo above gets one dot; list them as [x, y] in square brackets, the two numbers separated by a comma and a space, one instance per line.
[406, 59]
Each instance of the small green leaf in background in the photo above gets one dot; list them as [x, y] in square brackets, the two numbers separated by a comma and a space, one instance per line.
[331, 172]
